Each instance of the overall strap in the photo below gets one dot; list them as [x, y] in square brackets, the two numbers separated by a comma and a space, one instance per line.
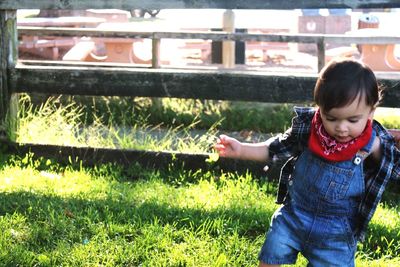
[364, 152]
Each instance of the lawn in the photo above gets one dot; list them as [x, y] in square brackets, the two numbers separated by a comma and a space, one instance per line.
[112, 216]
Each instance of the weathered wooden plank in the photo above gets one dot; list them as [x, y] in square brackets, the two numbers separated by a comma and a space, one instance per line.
[33, 62]
[321, 54]
[3, 66]
[228, 47]
[155, 53]
[8, 57]
[216, 36]
[89, 32]
[201, 84]
[197, 84]
[150, 159]
[224, 4]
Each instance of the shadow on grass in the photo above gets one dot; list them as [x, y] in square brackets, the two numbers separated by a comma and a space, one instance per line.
[56, 218]
[381, 241]
[62, 218]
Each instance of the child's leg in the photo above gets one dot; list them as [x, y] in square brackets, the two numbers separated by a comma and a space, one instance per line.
[282, 244]
[331, 243]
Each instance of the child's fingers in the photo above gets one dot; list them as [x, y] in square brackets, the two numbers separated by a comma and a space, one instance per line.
[224, 139]
[220, 148]
[225, 146]
[221, 152]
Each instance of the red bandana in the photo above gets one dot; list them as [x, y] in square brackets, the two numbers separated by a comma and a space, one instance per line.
[325, 146]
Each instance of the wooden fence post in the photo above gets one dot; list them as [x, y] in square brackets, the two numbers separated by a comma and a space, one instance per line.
[8, 59]
[155, 53]
[228, 47]
[321, 54]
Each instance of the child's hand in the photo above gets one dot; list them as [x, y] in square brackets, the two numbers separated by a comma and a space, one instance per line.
[396, 135]
[228, 147]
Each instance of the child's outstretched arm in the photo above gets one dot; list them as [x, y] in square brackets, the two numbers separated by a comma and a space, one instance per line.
[231, 148]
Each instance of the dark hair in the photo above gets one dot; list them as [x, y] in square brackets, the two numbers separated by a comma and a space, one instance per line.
[341, 82]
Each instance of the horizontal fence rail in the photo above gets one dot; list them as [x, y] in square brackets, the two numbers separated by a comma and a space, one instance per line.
[197, 84]
[200, 84]
[223, 4]
[215, 36]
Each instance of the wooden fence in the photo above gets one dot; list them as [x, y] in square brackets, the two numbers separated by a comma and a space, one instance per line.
[120, 80]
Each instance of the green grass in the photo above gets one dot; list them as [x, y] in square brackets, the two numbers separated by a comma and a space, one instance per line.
[389, 117]
[100, 217]
[57, 123]
[112, 216]
[173, 112]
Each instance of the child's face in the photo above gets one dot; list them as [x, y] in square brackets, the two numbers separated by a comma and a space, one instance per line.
[348, 122]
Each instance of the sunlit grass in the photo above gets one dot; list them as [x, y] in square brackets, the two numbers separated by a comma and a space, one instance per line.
[389, 117]
[94, 217]
[56, 123]
[74, 216]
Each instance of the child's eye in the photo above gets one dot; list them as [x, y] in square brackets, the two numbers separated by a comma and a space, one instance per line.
[353, 121]
[330, 119]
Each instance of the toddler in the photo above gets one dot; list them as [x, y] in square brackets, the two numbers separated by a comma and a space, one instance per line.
[338, 162]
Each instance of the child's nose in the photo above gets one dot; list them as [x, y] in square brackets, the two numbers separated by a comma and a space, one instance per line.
[341, 127]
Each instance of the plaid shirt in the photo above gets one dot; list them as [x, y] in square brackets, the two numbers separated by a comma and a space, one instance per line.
[288, 146]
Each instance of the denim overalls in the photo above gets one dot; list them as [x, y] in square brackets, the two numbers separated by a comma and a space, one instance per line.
[319, 218]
